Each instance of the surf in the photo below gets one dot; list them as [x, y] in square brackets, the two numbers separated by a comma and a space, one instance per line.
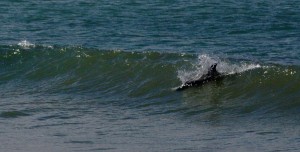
[147, 76]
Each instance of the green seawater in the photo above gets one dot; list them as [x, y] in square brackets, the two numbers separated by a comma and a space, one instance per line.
[87, 75]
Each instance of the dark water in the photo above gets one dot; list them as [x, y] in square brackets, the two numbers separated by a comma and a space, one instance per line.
[86, 75]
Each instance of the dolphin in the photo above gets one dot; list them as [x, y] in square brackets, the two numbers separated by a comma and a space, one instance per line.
[212, 75]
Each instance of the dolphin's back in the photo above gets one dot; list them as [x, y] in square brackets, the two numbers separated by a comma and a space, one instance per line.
[211, 75]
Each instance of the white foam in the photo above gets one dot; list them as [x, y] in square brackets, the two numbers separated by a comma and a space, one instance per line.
[26, 44]
[205, 61]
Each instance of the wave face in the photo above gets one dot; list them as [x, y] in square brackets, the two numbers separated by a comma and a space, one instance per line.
[141, 76]
[82, 96]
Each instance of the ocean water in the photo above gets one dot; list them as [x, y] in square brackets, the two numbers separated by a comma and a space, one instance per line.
[87, 75]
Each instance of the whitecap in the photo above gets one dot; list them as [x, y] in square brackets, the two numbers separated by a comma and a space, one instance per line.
[26, 44]
[205, 61]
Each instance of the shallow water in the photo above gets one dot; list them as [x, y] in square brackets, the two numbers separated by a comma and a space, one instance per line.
[100, 76]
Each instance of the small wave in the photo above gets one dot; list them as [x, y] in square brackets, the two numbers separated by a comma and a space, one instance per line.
[12, 114]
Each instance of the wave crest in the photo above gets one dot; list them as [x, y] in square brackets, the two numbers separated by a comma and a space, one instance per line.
[26, 44]
[200, 67]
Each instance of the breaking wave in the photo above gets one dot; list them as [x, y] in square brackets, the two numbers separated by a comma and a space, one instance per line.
[146, 78]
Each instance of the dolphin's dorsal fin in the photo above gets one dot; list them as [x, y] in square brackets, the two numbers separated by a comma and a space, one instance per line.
[213, 68]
